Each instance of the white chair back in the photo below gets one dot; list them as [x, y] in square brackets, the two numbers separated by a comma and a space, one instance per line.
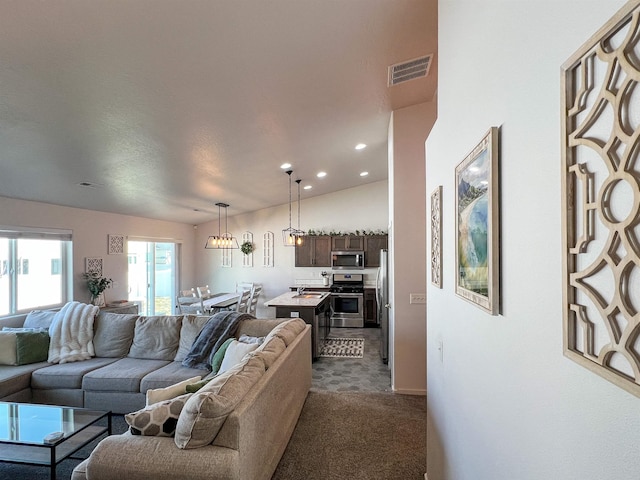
[189, 304]
[204, 292]
[243, 301]
[253, 301]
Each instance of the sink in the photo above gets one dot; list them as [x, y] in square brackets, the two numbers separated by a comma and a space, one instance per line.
[309, 295]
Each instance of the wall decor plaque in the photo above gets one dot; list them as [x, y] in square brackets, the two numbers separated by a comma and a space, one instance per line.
[436, 237]
[601, 201]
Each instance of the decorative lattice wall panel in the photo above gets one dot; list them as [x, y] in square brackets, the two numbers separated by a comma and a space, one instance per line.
[267, 249]
[247, 259]
[436, 237]
[601, 197]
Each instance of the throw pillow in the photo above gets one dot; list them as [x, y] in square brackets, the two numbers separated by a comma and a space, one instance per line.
[235, 353]
[248, 339]
[206, 411]
[156, 395]
[113, 334]
[8, 348]
[216, 361]
[39, 318]
[159, 419]
[156, 338]
[194, 387]
[31, 347]
[191, 326]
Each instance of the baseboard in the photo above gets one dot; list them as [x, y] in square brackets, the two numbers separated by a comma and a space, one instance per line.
[405, 391]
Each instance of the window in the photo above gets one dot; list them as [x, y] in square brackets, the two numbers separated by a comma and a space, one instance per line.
[34, 269]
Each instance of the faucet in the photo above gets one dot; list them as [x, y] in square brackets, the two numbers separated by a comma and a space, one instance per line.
[300, 290]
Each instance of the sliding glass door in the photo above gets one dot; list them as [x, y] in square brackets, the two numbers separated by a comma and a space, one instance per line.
[152, 276]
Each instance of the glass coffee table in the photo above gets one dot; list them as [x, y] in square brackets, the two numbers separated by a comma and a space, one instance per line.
[26, 431]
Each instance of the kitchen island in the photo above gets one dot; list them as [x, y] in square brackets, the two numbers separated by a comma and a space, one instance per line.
[312, 307]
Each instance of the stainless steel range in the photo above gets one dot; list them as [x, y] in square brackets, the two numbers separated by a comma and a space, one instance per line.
[347, 300]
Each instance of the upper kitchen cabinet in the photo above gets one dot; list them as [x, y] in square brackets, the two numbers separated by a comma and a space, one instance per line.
[347, 242]
[315, 251]
[372, 246]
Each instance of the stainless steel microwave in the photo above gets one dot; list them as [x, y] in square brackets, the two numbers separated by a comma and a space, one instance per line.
[347, 260]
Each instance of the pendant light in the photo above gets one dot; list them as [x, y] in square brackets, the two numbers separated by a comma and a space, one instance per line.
[222, 240]
[290, 235]
[300, 237]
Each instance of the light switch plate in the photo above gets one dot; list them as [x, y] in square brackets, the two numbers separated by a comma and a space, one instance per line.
[417, 298]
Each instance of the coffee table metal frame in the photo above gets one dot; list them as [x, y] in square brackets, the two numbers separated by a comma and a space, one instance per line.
[34, 453]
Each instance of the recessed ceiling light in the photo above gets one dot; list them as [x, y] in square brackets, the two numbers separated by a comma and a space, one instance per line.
[308, 187]
[285, 165]
[360, 146]
[321, 174]
[364, 174]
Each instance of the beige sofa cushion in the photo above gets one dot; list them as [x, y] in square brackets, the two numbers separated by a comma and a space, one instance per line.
[206, 411]
[156, 338]
[270, 350]
[287, 331]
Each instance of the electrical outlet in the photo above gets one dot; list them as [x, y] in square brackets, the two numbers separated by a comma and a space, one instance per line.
[417, 298]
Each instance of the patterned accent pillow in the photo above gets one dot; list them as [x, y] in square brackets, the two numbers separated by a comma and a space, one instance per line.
[159, 419]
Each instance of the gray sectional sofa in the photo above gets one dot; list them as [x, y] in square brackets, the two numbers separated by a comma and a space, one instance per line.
[255, 415]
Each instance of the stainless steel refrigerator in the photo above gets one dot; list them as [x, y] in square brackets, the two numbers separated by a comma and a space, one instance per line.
[382, 298]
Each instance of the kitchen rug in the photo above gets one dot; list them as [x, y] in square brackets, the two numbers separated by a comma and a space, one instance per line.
[343, 348]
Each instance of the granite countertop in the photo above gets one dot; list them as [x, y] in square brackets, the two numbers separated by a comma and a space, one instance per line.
[288, 300]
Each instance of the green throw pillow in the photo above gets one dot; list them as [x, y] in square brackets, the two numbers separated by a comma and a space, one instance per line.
[31, 347]
[194, 387]
[216, 361]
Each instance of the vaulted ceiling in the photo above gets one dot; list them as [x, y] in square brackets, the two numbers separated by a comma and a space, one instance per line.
[165, 107]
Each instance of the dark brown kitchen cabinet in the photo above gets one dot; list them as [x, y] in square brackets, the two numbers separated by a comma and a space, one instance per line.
[315, 251]
[347, 242]
[372, 246]
[370, 308]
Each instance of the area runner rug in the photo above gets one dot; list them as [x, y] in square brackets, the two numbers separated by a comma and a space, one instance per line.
[343, 348]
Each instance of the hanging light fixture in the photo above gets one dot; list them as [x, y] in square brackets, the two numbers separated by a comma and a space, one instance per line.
[290, 235]
[222, 240]
[300, 237]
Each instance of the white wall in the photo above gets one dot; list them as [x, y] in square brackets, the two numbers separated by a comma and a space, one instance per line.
[359, 208]
[90, 230]
[409, 130]
[505, 403]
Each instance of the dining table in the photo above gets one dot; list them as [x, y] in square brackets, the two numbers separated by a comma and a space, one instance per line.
[220, 301]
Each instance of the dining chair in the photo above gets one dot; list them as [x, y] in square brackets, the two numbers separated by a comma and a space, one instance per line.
[243, 301]
[242, 286]
[253, 301]
[204, 292]
[188, 304]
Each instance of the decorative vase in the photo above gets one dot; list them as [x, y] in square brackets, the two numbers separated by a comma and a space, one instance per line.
[325, 281]
[98, 300]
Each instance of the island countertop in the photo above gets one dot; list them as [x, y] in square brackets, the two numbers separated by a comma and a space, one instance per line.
[288, 300]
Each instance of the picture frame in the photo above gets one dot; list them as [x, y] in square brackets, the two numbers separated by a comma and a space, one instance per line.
[93, 265]
[436, 237]
[477, 225]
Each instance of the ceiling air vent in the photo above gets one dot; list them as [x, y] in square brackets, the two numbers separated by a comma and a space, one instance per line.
[405, 71]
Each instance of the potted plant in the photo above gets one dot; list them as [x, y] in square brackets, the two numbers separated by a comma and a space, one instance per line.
[246, 248]
[97, 285]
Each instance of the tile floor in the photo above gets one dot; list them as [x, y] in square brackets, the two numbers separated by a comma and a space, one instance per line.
[366, 374]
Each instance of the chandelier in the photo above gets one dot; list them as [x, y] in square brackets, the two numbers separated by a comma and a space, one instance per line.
[222, 240]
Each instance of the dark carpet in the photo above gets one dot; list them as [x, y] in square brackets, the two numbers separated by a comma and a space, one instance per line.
[340, 435]
[357, 436]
